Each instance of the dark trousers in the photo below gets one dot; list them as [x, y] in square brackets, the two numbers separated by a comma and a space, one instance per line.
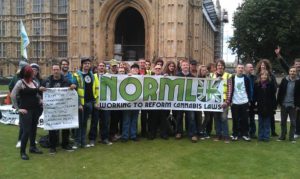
[116, 122]
[273, 130]
[240, 117]
[285, 112]
[29, 123]
[104, 121]
[201, 122]
[94, 124]
[252, 125]
[144, 122]
[298, 122]
[158, 119]
[54, 138]
[210, 122]
[191, 125]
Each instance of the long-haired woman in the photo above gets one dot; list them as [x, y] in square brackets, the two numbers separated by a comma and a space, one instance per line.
[29, 109]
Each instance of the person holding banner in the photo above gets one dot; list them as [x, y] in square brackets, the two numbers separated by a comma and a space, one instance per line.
[104, 115]
[189, 115]
[221, 118]
[158, 118]
[57, 80]
[200, 121]
[27, 105]
[87, 85]
[130, 117]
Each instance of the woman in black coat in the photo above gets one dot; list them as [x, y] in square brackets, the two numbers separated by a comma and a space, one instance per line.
[265, 100]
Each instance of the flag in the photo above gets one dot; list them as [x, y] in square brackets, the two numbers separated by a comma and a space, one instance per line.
[24, 40]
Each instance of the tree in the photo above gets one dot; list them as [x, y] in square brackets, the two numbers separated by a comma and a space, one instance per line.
[262, 25]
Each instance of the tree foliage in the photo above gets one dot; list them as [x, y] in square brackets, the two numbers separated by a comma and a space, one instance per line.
[262, 25]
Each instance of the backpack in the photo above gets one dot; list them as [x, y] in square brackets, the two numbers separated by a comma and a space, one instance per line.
[44, 141]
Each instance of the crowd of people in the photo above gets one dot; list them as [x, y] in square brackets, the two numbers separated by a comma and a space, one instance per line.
[247, 92]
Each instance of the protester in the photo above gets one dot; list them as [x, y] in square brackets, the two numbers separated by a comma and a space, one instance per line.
[116, 115]
[189, 115]
[170, 69]
[201, 123]
[241, 92]
[221, 118]
[87, 85]
[193, 67]
[262, 65]
[265, 100]
[104, 115]
[289, 100]
[27, 105]
[130, 117]
[148, 67]
[11, 85]
[249, 72]
[145, 114]
[285, 66]
[159, 61]
[57, 80]
[158, 118]
[211, 67]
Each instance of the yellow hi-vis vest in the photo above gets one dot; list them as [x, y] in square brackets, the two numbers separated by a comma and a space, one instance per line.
[225, 77]
[80, 87]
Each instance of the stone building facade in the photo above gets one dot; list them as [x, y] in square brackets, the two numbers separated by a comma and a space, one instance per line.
[106, 29]
[46, 25]
[130, 29]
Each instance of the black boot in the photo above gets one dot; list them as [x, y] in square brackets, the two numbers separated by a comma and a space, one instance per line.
[24, 156]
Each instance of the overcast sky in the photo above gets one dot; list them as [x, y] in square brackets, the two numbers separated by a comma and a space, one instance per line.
[230, 6]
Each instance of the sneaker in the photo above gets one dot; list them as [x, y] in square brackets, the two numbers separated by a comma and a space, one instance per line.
[18, 144]
[178, 136]
[293, 141]
[296, 136]
[234, 138]
[87, 146]
[68, 148]
[106, 142]
[52, 151]
[246, 138]
[75, 147]
[194, 139]
[24, 156]
[92, 143]
[281, 139]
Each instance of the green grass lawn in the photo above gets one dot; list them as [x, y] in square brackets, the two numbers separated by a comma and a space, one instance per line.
[154, 159]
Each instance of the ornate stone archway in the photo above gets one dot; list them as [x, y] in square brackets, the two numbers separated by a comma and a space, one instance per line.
[105, 26]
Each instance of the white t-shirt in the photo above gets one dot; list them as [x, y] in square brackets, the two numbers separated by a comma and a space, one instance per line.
[239, 93]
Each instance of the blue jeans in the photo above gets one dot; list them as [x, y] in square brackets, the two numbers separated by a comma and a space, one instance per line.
[94, 123]
[129, 128]
[191, 123]
[264, 127]
[80, 133]
[221, 122]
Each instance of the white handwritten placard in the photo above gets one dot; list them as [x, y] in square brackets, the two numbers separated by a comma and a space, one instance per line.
[60, 109]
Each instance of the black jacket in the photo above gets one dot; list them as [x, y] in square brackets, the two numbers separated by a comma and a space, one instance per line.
[265, 99]
[247, 86]
[51, 83]
[282, 92]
